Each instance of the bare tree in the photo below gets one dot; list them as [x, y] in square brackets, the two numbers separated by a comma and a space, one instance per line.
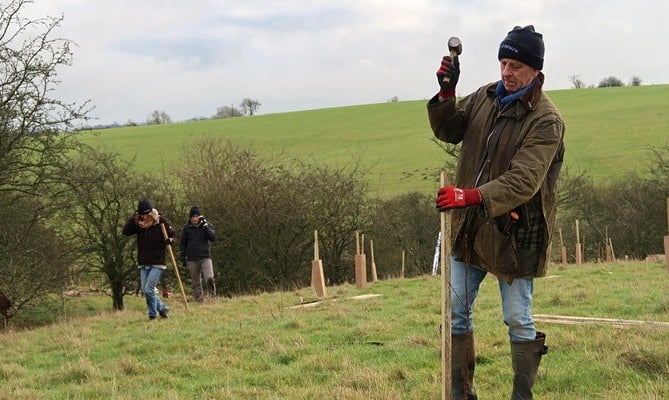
[158, 117]
[249, 106]
[635, 81]
[576, 82]
[98, 192]
[32, 123]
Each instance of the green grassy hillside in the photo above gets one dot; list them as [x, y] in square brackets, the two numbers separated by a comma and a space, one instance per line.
[378, 348]
[609, 131]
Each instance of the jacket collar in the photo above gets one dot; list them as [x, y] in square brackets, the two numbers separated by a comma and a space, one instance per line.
[527, 99]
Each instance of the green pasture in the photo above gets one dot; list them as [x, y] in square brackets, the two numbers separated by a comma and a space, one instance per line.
[275, 346]
[609, 132]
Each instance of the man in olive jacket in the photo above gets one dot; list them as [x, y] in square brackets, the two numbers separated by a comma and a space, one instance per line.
[503, 199]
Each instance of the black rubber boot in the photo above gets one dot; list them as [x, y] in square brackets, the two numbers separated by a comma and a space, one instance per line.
[463, 362]
[525, 357]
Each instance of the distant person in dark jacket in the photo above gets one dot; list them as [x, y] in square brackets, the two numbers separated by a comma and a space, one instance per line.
[195, 252]
[151, 244]
[503, 199]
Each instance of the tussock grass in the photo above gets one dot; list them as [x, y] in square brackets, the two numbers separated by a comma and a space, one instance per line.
[384, 347]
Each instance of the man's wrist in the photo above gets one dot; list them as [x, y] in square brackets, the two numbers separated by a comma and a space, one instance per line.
[446, 94]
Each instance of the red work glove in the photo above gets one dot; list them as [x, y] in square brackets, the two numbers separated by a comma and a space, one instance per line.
[449, 69]
[452, 197]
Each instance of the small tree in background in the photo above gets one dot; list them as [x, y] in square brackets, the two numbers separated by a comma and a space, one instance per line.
[611, 81]
[227, 112]
[635, 81]
[249, 106]
[576, 82]
[158, 117]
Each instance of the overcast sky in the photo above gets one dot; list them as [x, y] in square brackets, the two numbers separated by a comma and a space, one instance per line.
[189, 58]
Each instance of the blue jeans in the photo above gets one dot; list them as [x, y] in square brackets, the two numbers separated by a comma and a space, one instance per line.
[516, 301]
[149, 276]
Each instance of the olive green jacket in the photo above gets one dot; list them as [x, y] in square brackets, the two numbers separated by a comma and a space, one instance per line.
[526, 159]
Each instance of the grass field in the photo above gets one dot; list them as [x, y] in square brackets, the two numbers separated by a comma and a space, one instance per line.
[609, 132]
[385, 347]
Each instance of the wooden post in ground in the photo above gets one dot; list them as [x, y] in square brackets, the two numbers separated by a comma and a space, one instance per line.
[608, 249]
[402, 267]
[317, 277]
[613, 253]
[579, 255]
[445, 260]
[666, 239]
[563, 250]
[363, 256]
[360, 271]
[371, 250]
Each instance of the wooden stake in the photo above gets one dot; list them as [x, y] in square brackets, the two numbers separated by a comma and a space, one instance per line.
[445, 254]
[176, 266]
[402, 267]
[579, 255]
[563, 249]
[371, 249]
[317, 277]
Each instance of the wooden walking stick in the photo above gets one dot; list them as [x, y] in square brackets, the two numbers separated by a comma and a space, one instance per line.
[176, 266]
[445, 254]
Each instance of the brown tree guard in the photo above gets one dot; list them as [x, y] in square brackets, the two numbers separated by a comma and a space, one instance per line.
[373, 266]
[608, 247]
[444, 254]
[176, 266]
[360, 270]
[317, 277]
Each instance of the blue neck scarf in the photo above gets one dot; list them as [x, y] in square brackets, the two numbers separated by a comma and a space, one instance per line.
[503, 98]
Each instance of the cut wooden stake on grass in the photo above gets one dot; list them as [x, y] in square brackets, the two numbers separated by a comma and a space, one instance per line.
[317, 277]
[445, 253]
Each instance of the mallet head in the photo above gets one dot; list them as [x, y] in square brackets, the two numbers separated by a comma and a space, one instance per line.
[454, 46]
[455, 49]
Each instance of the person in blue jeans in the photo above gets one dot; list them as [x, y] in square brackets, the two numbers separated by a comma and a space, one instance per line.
[151, 244]
[503, 199]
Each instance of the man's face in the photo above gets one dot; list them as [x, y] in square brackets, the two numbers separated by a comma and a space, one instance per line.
[195, 219]
[516, 74]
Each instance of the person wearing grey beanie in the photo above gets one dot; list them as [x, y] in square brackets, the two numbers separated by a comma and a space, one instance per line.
[502, 202]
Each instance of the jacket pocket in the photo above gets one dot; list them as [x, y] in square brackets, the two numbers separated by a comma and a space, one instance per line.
[496, 250]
